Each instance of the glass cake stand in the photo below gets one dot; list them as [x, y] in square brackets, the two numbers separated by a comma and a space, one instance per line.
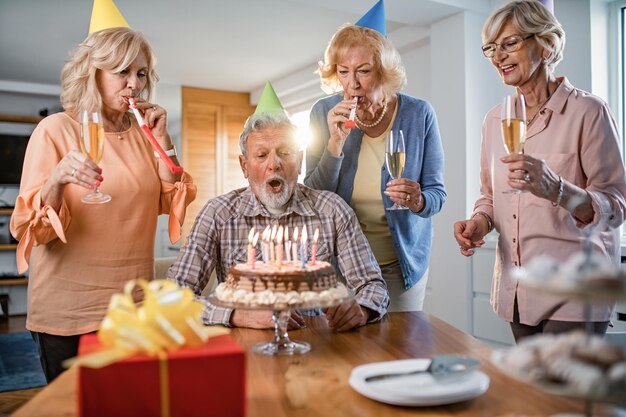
[282, 344]
[588, 296]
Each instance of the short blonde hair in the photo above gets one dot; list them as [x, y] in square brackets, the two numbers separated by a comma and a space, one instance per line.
[529, 17]
[387, 60]
[111, 50]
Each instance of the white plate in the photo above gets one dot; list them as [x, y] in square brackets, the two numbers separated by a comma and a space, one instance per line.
[416, 390]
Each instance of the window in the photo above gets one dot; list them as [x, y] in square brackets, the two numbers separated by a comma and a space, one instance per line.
[301, 119]
[617, 75]
[622, 92]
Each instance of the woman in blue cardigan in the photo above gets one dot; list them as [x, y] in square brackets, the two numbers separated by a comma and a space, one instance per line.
[361, 63]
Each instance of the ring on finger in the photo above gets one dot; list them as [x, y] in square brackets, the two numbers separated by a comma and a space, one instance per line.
[408, 197]
[154, 108]
[527, 177]
[73, 174]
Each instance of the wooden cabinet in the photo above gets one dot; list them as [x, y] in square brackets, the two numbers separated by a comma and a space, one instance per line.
[12, 287]
[211, 123]
[486, 326]
[5, 214]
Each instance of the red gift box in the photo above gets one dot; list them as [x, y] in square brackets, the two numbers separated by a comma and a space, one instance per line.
[208, 381]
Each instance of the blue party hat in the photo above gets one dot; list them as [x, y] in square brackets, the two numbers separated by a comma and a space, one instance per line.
[375, 18]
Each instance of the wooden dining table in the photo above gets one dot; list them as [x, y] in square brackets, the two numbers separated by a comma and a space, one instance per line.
[316, 383]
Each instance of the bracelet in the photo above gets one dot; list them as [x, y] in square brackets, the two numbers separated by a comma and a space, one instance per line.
[560, 195]
[170, 152]
[486, 217]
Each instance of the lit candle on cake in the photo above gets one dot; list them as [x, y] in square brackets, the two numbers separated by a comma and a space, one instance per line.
[303, 243]
[287, 244]
[251, 253]
[272, 237]
[294, 248]
[279, 246]
[314, 247]
[265, 237]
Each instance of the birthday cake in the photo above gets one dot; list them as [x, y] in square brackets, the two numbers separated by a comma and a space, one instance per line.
[288, 284]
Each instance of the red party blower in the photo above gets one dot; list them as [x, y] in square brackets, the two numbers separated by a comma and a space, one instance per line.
[174, 169]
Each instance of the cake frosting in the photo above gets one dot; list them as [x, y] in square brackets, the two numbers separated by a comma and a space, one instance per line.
[290, 284]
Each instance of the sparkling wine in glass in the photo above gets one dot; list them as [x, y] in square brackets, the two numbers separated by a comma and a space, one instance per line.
[395, 158]
[513, 119]
[92, 144]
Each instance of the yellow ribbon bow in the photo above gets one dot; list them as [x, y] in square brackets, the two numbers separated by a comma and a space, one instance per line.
[168, 319]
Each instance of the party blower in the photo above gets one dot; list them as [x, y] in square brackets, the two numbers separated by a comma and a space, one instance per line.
[350, 124]
[174, 169]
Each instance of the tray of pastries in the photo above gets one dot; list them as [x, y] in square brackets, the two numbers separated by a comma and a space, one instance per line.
[588, 277]
[572, 364]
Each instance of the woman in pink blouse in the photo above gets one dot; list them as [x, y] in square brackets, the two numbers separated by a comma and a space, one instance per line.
[80, 254]
[571, 172]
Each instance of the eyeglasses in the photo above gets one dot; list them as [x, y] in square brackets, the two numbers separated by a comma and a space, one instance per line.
[510, 44]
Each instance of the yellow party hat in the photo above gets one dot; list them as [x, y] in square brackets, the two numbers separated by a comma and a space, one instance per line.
[269, 102]
[105, 15]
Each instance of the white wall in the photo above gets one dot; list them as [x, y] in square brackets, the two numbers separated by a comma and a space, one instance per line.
[464, 87]
[418, 72]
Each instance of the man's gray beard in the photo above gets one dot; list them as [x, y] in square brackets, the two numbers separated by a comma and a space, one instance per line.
[272, 200]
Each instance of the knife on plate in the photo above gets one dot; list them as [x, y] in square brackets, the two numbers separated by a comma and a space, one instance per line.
[441, 366]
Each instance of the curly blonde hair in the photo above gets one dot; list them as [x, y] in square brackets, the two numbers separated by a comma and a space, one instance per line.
[529, 17]
[111, 50]
[387, 60]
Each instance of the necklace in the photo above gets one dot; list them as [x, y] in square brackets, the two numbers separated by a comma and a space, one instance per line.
[125, 120]
[532, 119]
[377, 121]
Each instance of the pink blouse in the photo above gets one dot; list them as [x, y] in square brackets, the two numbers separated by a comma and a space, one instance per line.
[576, 135]
[83, 254]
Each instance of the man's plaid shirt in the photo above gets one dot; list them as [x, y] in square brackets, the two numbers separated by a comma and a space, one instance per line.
[219, 240]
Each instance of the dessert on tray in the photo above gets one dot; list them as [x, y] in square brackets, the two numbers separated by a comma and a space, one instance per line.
[572, 364]
[587, 275]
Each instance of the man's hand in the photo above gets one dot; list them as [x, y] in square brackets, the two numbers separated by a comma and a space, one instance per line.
[347, 316]
[263, 319]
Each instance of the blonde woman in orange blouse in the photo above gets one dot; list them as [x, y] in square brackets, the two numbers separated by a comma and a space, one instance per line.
[79, 254]
[571, 170]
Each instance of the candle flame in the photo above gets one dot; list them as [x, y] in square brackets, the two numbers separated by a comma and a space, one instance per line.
[304, 235]
[273, 232]
[251, 235]
[295, 234]
[266, 234]
[279, 235]
[255, 238]
[316, 235]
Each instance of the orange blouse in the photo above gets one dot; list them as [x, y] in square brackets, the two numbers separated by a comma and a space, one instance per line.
[83, 254]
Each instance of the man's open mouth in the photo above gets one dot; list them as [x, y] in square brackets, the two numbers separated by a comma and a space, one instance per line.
[275, 185]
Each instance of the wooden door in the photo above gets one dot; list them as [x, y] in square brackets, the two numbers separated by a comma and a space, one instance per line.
[211, 124]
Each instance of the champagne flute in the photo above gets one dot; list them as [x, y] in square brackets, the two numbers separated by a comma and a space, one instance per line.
[513, 117]
[91, 144]
[395, 158]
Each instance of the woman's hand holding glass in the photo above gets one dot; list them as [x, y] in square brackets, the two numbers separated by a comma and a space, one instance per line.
[532, 175]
